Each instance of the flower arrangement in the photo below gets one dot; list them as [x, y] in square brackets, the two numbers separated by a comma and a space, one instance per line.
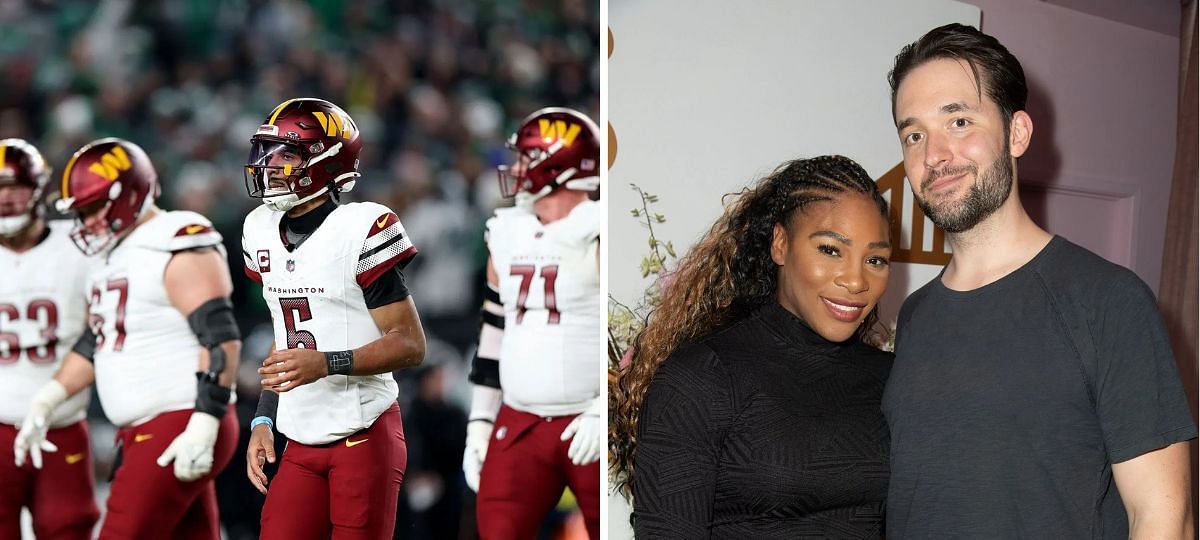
[625, 322]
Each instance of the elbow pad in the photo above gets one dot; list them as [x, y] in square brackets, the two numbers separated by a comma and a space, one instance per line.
[213, 323]
[485, 369]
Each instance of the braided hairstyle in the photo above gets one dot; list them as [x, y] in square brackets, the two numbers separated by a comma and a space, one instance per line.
[725, 276]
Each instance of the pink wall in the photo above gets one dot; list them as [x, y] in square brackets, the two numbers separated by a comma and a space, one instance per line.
[1103, 100]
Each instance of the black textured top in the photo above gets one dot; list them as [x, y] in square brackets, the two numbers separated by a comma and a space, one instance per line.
[764, 430]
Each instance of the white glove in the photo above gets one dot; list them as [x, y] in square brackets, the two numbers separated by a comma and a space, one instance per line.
[479, 433]
[192, 450]
[485, 405]
[589, 430]
[32, 437]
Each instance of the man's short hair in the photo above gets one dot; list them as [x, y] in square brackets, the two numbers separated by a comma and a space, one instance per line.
[997, 71]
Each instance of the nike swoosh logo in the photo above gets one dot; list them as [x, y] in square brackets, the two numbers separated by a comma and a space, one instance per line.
[142, 437]
[193, 229]
[381, 222]
[351, 444]
[74, 458]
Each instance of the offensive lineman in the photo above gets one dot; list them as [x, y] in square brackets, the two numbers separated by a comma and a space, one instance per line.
[162, 346]
[540, 338]
[42, 313]
[343, 319]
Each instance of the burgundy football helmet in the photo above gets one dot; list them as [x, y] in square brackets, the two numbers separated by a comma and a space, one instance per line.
[556, 148]
[306, 147]
[21, 165]
[112, 178]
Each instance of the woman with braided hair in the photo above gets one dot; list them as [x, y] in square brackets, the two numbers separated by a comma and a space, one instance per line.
[751, 406]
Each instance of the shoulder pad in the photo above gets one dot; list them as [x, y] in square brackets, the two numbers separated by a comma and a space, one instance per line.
[385, 243]
[178, 231]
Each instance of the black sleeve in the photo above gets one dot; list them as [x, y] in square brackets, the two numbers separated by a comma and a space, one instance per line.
[387, 289]
[683, 420]
[268, 404]
[1140, 400]
[86, 345]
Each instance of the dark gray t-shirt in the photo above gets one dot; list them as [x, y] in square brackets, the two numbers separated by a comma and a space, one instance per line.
[1008, 404]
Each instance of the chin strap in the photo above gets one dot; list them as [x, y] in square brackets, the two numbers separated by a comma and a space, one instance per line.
[283, 203]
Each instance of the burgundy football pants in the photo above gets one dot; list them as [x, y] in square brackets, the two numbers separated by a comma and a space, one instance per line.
[524, 475]
[346, 489]
[59, 495]
[147, 501]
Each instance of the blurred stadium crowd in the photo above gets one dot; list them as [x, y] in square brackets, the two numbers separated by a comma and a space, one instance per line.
[435, 86]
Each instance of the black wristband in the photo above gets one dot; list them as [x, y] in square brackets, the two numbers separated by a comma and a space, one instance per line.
[211, 398]
[339, 362]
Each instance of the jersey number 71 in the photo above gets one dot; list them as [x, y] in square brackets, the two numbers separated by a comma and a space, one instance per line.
[549, 275]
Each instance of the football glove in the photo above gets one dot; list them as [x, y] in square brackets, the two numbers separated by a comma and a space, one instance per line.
[485, 405]
[32, 437]
[587, 434]
[192, 450]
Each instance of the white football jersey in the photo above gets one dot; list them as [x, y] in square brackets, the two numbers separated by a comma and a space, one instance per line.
[42, 314]
[146, 353]
[315, 294]
[550, 361]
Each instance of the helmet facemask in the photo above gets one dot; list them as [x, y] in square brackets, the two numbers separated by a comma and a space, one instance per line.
[110, 184]
[277, 172]
[94, 239]
[514, 179]
[107, 228]
[556, 149]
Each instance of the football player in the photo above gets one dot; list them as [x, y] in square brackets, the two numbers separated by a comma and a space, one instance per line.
[162, 346]
[42, 313]
[344, 321]
[540, 339]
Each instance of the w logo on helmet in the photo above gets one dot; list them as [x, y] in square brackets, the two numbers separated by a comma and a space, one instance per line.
[334, 124]
[558, 129]
[112, 164]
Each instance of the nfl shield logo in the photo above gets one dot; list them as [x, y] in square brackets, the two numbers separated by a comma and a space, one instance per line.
[291, 266]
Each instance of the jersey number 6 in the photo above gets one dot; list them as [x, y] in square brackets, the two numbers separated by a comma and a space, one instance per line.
[296, 310]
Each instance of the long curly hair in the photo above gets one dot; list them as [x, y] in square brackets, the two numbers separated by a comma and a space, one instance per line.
[725, 276]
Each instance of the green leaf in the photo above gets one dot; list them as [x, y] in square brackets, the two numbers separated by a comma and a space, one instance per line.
[670, 248]
[660, 218]
[635, 212]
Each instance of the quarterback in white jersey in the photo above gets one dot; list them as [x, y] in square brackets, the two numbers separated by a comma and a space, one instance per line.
[42, 314]
[536, 424]
[344, 321]
[162, 345]
[315, 294]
